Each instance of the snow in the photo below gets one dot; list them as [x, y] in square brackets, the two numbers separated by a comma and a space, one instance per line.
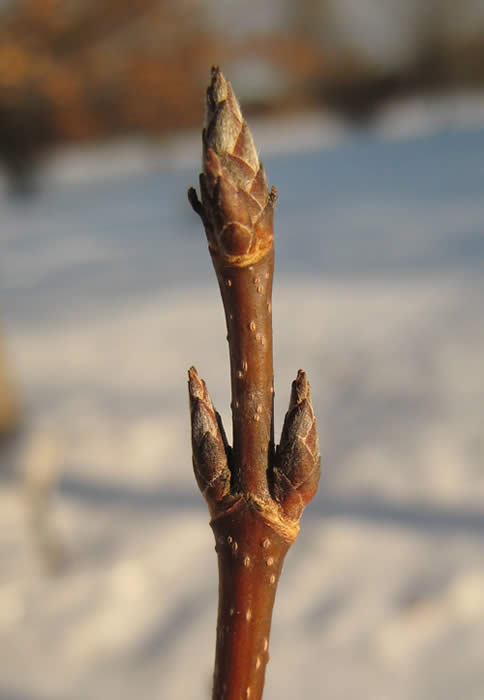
[108, 577]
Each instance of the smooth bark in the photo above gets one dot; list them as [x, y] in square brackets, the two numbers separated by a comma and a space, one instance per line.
[255, 492]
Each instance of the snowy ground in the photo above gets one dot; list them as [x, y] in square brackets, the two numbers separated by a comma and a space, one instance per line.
[108, 296]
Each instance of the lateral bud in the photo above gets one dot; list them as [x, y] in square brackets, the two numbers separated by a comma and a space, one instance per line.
[209, 445]
[297, 469]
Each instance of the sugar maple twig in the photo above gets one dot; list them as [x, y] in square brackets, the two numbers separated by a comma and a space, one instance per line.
[255, 492]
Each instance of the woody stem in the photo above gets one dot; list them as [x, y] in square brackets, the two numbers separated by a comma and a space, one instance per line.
[247, 298]
[255, 493]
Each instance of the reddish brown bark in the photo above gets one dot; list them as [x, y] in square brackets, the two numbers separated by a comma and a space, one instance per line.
[246, 294]
[255, 493]
[250, 560]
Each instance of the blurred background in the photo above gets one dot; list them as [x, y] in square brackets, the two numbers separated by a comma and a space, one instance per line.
[369, 117]
[76, 71]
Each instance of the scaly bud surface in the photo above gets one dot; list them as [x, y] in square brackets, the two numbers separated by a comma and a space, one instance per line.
[209, 446]
[297, 463]
[236, 207]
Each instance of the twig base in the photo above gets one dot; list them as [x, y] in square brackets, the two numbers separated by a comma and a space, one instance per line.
[250, 556]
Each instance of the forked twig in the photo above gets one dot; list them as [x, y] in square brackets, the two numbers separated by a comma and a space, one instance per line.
[255, 492]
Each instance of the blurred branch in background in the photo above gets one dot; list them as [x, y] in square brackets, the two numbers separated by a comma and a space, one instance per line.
[75, 71]
[9, 412]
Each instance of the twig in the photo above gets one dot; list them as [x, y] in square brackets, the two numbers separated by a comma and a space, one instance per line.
[255, 493]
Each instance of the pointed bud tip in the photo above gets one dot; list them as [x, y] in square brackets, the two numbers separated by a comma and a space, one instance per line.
[196, 385]
[300, 389]
[218, 91]
[218, 84]
[225, 130]
[233, 185]
[301, 378]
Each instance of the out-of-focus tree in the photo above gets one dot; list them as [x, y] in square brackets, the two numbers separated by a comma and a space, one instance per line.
[73, 71]
[77, 70]
[376, 49]
[450, 43]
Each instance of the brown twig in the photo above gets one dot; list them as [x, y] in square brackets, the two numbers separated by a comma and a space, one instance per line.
[255, 493]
